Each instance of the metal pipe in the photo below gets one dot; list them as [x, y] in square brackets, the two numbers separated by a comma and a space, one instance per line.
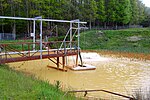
[38, 18]
[7, 17]
[64, 39]
[34, 35]
[70, 35]
[86, 91]
[41, 38]
[78, 36]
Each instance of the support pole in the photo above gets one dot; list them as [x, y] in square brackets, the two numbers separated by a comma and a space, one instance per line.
[41, 38]
[78, 36]
[58, 62]
[65, 52]
[79, 54]
[77, 60]
[63, 61]
[70, 40]
[70, 35]
[33, 34]
[78, 43]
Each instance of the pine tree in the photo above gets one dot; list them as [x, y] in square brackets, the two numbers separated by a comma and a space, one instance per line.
[101, 14]
[134, 10]
[123, 11]
[141, 11]
[89, 11]
[111, 11]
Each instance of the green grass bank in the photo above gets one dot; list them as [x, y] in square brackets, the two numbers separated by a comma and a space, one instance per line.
[18, 86]
[135, 40]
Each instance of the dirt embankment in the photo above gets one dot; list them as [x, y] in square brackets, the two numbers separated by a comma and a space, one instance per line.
[140, 56]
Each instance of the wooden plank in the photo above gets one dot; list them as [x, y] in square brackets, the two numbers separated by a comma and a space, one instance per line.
[83, 69]
[64, 70]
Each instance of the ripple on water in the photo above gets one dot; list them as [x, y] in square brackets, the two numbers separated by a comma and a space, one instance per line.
[114, 74]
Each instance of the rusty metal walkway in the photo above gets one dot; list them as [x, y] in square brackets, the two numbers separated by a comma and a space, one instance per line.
[15, 52]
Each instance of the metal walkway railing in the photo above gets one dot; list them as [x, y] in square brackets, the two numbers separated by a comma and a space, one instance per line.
[14, 52]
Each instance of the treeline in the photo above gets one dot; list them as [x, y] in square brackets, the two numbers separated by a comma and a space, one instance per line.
[96, 12]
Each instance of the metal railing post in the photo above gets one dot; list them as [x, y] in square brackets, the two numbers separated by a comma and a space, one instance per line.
[70, 35]
[78, 36]
[33, 34]
[64, 47]
[41, 38]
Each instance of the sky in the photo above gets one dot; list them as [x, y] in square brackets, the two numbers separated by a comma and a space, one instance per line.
[146, 2]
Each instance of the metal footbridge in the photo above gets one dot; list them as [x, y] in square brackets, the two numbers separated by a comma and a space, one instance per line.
[15, 52]
[24, 51]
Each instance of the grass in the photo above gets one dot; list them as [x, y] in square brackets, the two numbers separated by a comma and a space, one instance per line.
[117, 40]
[18, 86]
[111, 40]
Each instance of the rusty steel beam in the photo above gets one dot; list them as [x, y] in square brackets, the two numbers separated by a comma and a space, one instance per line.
[36, 57]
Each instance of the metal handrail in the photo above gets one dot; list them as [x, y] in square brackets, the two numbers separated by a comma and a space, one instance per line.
[117, 94]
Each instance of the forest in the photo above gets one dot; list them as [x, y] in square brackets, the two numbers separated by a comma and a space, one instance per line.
[98, 13]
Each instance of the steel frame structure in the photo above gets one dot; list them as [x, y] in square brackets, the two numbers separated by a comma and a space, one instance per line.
[39, 18]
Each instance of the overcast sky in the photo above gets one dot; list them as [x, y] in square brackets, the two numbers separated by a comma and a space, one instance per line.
[146, 2]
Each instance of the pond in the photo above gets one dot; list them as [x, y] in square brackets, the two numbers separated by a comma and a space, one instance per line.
[119, 75]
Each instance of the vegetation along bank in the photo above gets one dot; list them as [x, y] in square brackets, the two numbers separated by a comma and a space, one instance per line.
[18, 86]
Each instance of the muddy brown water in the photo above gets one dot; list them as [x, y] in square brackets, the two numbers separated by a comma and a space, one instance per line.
[120, 75]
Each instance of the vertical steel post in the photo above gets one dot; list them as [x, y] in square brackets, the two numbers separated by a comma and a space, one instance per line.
[78, 36]
[65, 48]
[78, 48]
[70, 35]
[41, 38]
[33, 34]
[65, 52]
[79, 54]
[77, 60]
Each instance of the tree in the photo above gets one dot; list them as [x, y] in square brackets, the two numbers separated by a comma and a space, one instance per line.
[71, 10]
[146, 21]
[101, 14]
[123, 11]
[111, 11]
[134, 11]
[89, 11]
[141, 10]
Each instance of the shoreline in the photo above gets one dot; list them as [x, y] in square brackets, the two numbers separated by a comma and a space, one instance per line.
[138, 56]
